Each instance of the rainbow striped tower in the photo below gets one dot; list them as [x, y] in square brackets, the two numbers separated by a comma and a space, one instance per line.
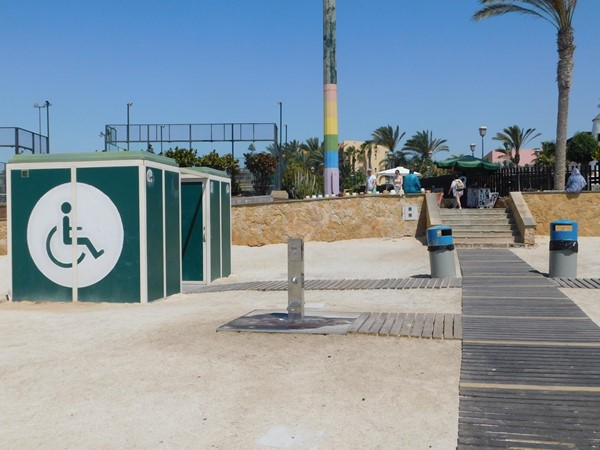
[331, 174]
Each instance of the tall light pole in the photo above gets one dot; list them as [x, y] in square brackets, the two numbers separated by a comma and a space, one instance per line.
[279, 148]
[473, 146]
[129, 105]
[48, 105]
[482, 131]
[39, 108]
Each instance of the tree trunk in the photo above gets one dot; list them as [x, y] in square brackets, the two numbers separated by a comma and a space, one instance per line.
[566, 48]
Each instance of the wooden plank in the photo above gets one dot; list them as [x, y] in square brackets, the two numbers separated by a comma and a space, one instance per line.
[428, 326]
[417, 329]
[407, 325]
[438, 326]
[364, 329]
[387, 326]
[378, 324]
[448, 326]
[395, 331]
[458, 329]
[358, 322]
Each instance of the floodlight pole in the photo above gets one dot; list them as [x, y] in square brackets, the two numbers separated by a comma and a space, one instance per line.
[280, 148]
[128, 108]
[48, 105]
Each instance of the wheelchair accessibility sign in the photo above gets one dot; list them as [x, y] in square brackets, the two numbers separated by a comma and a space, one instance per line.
[59, 238]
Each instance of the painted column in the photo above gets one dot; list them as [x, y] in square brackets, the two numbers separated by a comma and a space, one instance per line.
[331, 173]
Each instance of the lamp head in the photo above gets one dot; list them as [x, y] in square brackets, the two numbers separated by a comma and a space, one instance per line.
[482, 131]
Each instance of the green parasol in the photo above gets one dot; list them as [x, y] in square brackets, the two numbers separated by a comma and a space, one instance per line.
[467, 162]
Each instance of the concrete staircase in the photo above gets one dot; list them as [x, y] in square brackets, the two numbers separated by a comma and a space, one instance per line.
[487, 228]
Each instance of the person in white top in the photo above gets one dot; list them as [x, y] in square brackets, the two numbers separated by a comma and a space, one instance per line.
[371, 182]
[457, 187]
[398, 183]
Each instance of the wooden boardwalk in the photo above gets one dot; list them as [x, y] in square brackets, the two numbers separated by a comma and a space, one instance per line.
[530, 373]
[359, 284]
[415, 325]
[347, 284]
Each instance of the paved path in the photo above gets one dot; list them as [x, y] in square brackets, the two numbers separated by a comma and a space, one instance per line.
[530, 374]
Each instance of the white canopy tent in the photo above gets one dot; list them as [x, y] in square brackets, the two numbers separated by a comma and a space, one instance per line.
[392, 172]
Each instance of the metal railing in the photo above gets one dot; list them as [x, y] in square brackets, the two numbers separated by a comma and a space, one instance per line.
[23, 141]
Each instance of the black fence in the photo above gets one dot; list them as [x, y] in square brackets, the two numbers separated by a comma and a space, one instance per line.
[524, 179]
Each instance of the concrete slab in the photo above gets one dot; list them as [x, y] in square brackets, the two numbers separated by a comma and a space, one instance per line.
[269, 321]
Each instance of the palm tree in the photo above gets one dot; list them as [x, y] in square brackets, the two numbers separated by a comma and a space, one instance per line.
[366, 150]
[387, 137]
[316, 154]
[560, 14]
[423, 146]
[545, 156]
[514, 138]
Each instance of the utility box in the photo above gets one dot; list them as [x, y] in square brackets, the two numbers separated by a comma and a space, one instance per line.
[205, 225]
[94, 227]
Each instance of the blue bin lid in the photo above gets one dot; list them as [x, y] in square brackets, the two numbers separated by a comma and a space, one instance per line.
[568, 233]
[439, 235]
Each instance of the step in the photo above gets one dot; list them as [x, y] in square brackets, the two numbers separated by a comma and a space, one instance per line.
[477, 222]
[474, 243]
[493, 229]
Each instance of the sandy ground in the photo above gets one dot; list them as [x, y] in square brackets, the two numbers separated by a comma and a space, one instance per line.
[159, 376]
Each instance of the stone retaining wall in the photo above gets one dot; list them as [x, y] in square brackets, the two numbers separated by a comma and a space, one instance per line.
[583, 208]
[328, 219]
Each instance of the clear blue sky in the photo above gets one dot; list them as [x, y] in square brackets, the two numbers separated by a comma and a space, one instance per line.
[422, 65]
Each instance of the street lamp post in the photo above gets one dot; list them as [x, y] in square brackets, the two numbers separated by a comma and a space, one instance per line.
[279, 147]
[473, 146]
[39, 108]
[482, 131]
[47, 103]
[430, 163]
[128, 107]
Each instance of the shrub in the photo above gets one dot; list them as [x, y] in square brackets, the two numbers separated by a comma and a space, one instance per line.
[581, 148]
[262, 166]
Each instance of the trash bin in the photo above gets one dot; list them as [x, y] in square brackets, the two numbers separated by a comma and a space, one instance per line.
[440, 245]
[563, 249]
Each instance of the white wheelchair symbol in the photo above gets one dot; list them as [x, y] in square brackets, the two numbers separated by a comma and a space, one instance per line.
[68, 240]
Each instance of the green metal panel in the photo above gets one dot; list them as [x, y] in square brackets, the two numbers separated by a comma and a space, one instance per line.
[27, 187]
[121, 185]
[225, 229]
[215, 230]
[154, 233]
[172, 233]
[192, 231]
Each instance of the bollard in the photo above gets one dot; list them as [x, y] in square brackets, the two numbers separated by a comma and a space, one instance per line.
[563, 249]
[440, 246]
[295, 280]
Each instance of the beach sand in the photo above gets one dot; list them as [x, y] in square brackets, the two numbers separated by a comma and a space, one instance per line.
[160, 376]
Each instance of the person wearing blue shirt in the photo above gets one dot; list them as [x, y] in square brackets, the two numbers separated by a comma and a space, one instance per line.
[576, 182]
[412, 185]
